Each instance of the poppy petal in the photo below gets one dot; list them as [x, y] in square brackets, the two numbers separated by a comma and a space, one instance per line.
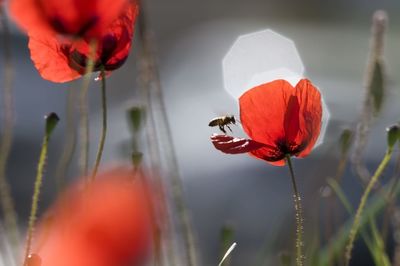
[121, 30]
[232, 145]
[291, 120]
[49, 60]
[263, 109]
[84, 229]
[108, 11]
[310, 116]
[87, 18]
[27, 14]
[265, 155]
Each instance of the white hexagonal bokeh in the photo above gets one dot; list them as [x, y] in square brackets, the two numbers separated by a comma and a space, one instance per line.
[258, 53]
[325, 121]
[262, 57]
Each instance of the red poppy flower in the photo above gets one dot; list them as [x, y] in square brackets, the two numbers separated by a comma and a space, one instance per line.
[59, 60]
[88, 18]
[279, 119]
[107, 223]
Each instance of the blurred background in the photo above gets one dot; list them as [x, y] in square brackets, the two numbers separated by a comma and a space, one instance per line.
[191, 38]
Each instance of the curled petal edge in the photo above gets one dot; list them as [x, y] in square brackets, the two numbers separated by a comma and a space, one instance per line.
[232, 145]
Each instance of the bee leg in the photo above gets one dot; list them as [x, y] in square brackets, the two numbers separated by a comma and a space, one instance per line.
[229, 128]
[221, 127]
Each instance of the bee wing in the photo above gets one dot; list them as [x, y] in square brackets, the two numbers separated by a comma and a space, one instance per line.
[214, 122]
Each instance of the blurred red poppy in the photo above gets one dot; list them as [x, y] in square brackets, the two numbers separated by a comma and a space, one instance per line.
[88, 18]
[105, 224]
[279, 119]
[59, 59]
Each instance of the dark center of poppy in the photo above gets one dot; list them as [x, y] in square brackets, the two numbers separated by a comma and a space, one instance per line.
[62, 27]
[109, 45]
[289, 147]
[78, 60]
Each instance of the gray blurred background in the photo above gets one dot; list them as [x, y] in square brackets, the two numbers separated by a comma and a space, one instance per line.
[192, 37]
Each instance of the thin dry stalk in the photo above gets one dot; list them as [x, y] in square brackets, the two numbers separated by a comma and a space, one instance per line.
[379, 25]
[157, 109]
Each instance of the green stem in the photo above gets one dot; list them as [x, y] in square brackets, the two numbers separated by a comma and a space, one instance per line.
[356, 224]
[83, 108]
[104, 125]
[299, 216]
[69, 142]
[51, 122]
[339, 240]
[7, 203]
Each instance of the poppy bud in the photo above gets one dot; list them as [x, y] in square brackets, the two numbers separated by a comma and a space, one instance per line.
[136, 117]
[51, 122]
[345, 141]
[393, 134]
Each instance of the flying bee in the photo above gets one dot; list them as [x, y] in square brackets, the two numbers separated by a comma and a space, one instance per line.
[222, 122]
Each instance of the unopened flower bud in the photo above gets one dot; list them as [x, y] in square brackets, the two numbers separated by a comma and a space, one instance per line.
[51, 122]
[393, 133]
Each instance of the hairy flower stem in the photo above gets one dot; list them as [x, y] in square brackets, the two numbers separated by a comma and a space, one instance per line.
[84, 113]
[356, 223]
[299, 216]
[69, 142]
[104, 125]
[51, 122]
[7, 203]
[366, 120]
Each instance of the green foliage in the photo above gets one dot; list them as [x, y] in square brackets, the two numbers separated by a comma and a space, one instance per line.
[337, 244]
[377, 87]
[137, 158]
[285, 259]
[136, 117]
[227, 235]
[377, 246]
[345, 141]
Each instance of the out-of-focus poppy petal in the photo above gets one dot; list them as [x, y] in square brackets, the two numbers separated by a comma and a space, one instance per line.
[107, 223]
[49, 60]
[310, 116]
[122, 30]
[107, 11]
[232, 145]
[262, 111]
[59, 59]
[28, 16]
[88, 18]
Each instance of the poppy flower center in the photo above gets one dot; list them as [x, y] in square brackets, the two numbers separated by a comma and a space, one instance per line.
[77, 60]
[60, 18]
[291, 148]
[61, 26]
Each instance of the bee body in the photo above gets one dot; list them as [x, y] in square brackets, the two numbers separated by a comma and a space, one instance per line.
[222, 122]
